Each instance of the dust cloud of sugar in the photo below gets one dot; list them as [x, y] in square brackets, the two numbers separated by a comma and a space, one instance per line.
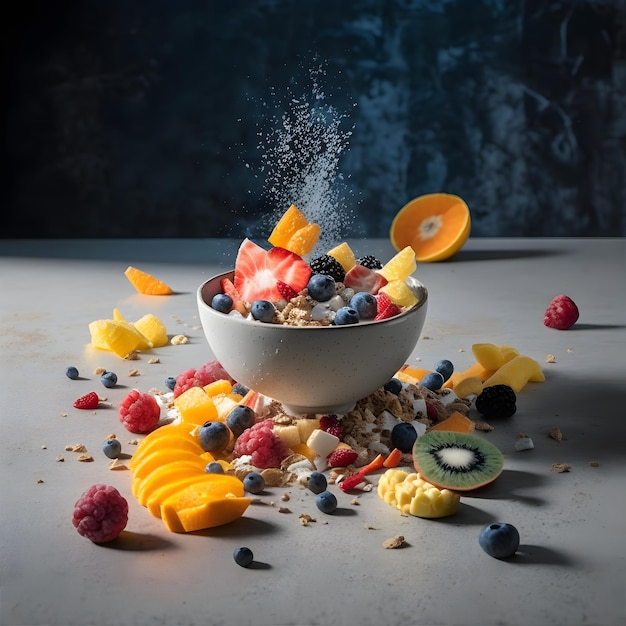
[300, 157]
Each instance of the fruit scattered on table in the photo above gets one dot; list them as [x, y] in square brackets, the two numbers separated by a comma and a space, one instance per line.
[496, 401]
[243, 556]
[112, 448]
[499, 540]
[294, 232]
[326, 502]
[562, 313]
[108, 379]
[100, 514]
[456, 461]
[254, 483]
[412, 495]
[139, 412]
[435, 225]
[72, 373]
[147, 284]
[317, 482]
[89, 401]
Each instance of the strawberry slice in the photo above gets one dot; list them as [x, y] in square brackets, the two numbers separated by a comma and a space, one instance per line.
[257, 272]
[386, 308]
[285, 290]
[361, 278]
[228, 287]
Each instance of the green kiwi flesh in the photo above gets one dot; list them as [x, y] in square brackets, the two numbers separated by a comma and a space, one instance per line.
[456, 461]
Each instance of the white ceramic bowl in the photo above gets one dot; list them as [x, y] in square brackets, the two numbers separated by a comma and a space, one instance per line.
[311, 369]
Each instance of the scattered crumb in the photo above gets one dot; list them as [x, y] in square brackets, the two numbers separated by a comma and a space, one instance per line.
[60, 459]
[305, 519]
[569, 350]
[284, 509]
[63, 414]
[550, 358]
[461, 349]
[285, 497]
[133, 442]
[153, 360]
[594, 464]
[39, 481]
[99, 371]
[556, 434]
[355, 501]
[84, 458]
[115, 465]
[393, 542]
[484, 427]
[370, 527]
[77, 447]
[178, 340]
[132, 356]
[111, 436]
[44, 447]
[134, 372]
[560, 468]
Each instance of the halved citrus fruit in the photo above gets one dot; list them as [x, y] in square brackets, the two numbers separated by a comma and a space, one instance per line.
[147, 284]
[435, 225]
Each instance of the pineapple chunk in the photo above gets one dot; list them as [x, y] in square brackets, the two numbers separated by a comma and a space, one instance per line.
[195, 406]
[117, 336]
[154, 329]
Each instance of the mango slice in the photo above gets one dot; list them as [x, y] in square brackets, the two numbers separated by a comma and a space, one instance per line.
[456, 422]
[412, 495]
[516, 373]
[195, 406]
[400, 293]
[491, 356]
[164, 475]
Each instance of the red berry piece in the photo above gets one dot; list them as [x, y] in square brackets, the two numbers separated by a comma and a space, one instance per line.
[331, 424]
[562, 313]
[386, 308]
[342, 457]
[265, 448]
[100, 514]
[139, 412]
[201, 376]
[285, 290]
[88, 401]
[361, 278]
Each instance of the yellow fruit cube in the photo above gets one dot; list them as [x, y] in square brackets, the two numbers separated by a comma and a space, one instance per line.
[288, 433]
[400, 266]
[218, 387]
[292, 220]
[491, 356]
[195, 406]
[306, 426]
[344, 254]
[304, 239]
[400, 293]
[117, 336]
[472, 385]
[154, 329]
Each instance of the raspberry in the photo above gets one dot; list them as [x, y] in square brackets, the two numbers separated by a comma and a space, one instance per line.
[496, 401]
[285, 290]
[100, 514]
[562, 313]
[201, 376]
[371, 262]
[331, 424]
[328, 265]
[342, 457]
[88, 401]
[139, 412]
[386, 308]
[265, 448]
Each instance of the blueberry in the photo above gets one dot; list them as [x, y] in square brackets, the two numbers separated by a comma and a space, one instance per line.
[432, 381]
[214, 436]
[445, 368]
[243, 556]
[321, 287]
[214, 468]
[170, 383]
[403, 436]
[346, 315]
[222, 302]
[317, 482]
[109, 379]
[499, 540]
[326, 502]
[253, 482]
[394, 385]
[262, 310]
[365, 304]
[72, 373]
[112, 448]
[240, 418]
[240, 388]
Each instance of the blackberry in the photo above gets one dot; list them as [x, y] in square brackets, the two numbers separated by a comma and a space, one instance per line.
[370, 262]
[496, 401]
[328, 265]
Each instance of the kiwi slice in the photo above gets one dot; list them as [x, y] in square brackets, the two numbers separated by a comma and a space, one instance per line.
[456, 461]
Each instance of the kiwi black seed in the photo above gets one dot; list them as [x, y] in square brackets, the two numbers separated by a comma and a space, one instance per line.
[456, 461]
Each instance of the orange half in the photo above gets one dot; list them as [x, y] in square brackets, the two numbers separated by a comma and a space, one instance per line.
[435, 225]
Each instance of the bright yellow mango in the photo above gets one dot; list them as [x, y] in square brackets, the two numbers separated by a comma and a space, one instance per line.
[195, 406]
[516, 373]
[166, 474]
[400, 266]
[400, 293]
[117, 336]
[491, 356]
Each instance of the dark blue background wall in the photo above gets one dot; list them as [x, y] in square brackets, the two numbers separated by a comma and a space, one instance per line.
[153, 117]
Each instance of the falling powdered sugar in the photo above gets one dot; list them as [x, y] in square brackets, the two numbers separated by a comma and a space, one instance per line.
[300, 161]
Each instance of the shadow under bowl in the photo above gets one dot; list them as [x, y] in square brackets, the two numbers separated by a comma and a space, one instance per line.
[311, 369]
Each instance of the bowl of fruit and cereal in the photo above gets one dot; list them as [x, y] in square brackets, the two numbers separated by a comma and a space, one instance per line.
[318, 336]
